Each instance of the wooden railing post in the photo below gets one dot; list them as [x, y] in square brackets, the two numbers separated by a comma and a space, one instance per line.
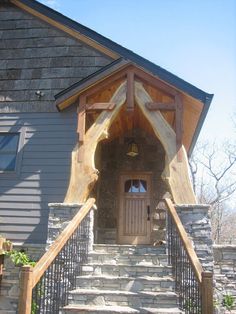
[26, 285]
[207, 293]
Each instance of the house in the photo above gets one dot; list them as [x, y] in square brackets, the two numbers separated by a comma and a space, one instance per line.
[82, 116]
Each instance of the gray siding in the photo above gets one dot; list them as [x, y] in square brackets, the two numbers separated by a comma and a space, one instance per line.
[35, 56]
[43, 175]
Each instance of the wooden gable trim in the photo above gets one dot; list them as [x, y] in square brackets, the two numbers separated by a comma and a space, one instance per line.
[67, 30]
[130, 91]
[100, 106]
[103, 79]
[155, 81]
[97, 82]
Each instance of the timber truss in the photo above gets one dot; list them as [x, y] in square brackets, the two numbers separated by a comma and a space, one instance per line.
[124, 90]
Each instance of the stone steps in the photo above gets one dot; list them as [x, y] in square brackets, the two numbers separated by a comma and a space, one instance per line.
[124, 279]
[132, 259]
[84, 309]
[126, 270]
[124, 298]
[130, 249]
[126, 283]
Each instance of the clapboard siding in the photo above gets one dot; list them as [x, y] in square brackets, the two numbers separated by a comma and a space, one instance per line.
[36, 56]
[43, 176]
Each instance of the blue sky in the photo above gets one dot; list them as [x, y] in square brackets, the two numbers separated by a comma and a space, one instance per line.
[195, 40]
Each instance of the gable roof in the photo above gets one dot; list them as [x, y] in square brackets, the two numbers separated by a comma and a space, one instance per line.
[115, 51]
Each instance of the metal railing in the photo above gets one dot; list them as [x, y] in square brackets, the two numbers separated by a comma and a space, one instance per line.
[193, 286]
[45, 288]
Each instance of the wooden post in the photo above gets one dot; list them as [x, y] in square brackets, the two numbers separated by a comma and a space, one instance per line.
[130, 91]
[26, 286]
[1, 267]
[207, 293]
[81, 125]
[179, 126]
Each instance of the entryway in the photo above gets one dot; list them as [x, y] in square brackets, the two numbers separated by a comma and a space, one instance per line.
[134, 222]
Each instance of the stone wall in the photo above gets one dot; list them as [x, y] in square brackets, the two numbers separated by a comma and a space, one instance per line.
[115, 161]
[9, 292]
[60, 216]
[225, 273]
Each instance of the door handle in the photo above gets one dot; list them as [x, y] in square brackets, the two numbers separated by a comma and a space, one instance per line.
[148, 212]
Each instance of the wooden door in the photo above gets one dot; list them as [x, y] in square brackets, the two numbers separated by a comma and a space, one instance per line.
[134, 223]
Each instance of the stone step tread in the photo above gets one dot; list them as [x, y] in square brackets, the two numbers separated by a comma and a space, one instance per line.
[148, 278]
[125, 265]
[144, 265]
[166, 294]
[129, 245]
[120, 309]
[98, 253]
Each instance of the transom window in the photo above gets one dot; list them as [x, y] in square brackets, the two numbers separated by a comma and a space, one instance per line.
[135, 186]
[8, 151]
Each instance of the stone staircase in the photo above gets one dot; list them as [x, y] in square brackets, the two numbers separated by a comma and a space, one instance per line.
[124, 279]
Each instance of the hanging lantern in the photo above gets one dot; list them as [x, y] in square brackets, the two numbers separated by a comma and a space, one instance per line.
[132, 149]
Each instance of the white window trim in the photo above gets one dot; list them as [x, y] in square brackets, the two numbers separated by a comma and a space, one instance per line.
[19, 154]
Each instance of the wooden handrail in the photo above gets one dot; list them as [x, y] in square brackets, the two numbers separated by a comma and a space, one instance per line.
[30, 276]
[205, 278]
[58, 244]
[186, 241]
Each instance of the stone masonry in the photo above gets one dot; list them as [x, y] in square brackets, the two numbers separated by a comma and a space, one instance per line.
[225, 272]
[196, 221]
[59, 217]
[10, 280]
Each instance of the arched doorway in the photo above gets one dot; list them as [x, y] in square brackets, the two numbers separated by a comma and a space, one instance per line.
[129, 189]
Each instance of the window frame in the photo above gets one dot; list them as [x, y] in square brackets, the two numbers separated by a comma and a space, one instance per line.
[19, 152]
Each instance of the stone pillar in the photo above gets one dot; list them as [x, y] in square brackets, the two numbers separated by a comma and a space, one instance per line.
[59, 217]
[196, 221]
[224, 273]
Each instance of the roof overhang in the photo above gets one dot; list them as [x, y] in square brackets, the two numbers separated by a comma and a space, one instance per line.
[118, 70]
[115, 52]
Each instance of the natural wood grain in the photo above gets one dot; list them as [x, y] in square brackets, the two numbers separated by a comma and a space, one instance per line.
[81, 118]
[100, 106]
[179, 125]
[84, 174]
[204, 278]
[26, 286]
[207, 293]
[133, 226]
[154, 81]
[196, 265]
[161, 106]
[176, 174]
[130, 91]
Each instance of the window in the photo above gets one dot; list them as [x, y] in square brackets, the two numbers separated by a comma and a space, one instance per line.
[8, 151]
[135, 186]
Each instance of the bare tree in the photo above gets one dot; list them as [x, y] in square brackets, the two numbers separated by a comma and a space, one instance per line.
[214, 180]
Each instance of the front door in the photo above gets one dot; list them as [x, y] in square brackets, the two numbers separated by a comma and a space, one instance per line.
[134, 226]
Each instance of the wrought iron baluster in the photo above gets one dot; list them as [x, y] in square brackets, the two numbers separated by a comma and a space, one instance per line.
[186, 284]
[50, 294]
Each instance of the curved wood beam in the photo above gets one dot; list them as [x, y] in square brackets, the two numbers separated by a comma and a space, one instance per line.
[176, 173]
[84, 174]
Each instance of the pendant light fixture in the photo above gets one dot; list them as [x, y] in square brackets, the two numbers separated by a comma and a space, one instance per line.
[132, 149]
[132, 146]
